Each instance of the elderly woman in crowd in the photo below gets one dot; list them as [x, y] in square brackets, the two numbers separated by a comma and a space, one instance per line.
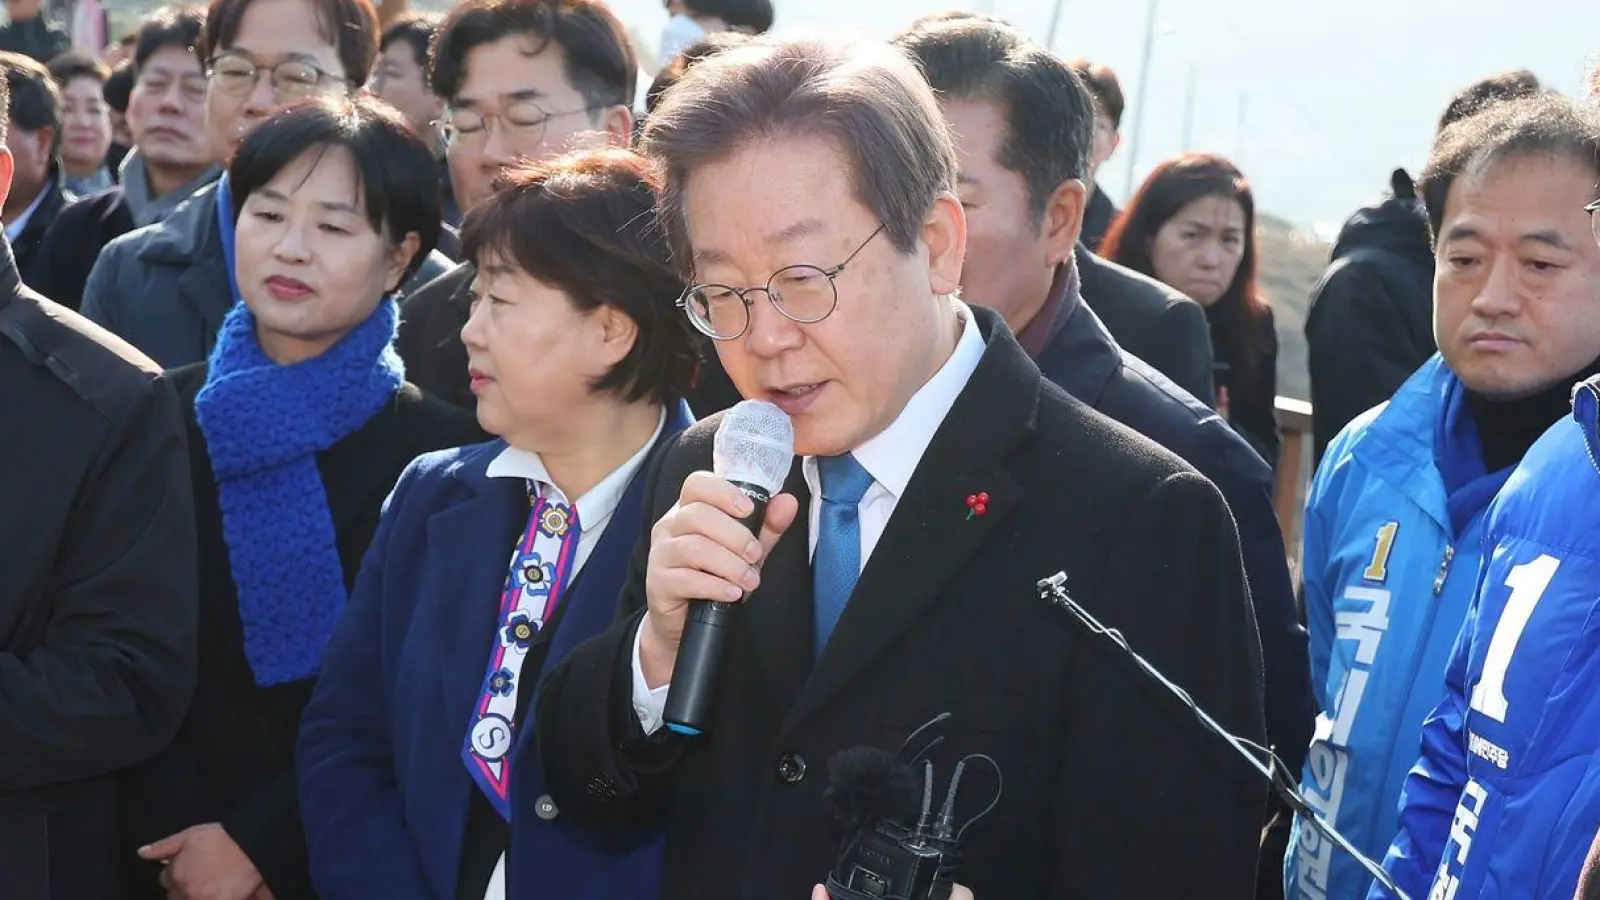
[418, 772]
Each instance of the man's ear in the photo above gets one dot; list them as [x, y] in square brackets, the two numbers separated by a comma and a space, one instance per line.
[617, 123]
[7, 167]
[1063, 220]
[944, 233]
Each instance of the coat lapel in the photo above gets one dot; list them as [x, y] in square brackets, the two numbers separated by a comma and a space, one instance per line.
[471, 543]
[777, 616]
[930, 536]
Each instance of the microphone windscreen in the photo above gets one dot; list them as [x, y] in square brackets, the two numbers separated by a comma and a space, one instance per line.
[754, 445]
[866, 784]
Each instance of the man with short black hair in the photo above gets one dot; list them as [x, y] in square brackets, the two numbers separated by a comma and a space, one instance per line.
[1022, 124]
[34, 125]
[401, 79]
[171, 158]
[98, 601]
[520, 80]
[1395, 539]
[1109, 105]
[1370, 322]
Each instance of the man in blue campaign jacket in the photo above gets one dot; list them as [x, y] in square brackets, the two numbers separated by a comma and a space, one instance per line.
[1506, 798]
[1395, 518]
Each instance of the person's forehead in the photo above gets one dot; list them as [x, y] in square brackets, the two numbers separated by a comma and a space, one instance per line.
[770, 197]
[1510, 196]
[1212, 210]
[275, 30]
[520, 64]
[171, 59]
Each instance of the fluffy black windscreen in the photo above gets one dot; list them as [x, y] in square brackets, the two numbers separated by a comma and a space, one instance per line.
[866, 784]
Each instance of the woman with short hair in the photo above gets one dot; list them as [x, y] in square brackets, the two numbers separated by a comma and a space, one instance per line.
[419, 777]
[300, 423]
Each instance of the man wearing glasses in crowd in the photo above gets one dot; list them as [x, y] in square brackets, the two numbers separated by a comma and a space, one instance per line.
[809, 195]
[165, 288]
[521, 80]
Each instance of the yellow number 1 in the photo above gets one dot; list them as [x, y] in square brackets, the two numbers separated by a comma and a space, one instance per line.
[1378, 569]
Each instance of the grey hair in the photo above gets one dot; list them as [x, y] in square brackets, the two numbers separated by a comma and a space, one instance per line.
[866, 98]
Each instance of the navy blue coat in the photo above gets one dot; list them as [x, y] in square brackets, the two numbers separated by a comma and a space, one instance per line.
[384, 793]
[1083, 360]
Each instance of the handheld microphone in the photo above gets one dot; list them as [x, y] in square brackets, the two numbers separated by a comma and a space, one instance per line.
[753, 450]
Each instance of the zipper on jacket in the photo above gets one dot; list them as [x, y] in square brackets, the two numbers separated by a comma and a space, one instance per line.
[1444, 570]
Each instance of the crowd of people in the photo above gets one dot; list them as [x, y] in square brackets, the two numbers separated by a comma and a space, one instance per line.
[362, 383]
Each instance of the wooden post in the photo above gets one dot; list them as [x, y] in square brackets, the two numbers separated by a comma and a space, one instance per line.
[1294, 419]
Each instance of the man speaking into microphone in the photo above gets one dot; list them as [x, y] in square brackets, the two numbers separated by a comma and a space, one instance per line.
[808, 195]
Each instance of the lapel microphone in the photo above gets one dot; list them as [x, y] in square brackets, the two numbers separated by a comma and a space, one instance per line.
[753, 450]
[897, 845]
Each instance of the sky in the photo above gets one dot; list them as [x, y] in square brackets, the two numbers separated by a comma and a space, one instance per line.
[1331, 96]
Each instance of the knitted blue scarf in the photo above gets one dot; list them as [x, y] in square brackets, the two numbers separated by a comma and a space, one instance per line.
[264, 425]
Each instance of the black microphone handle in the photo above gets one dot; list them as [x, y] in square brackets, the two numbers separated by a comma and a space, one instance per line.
[706, 634]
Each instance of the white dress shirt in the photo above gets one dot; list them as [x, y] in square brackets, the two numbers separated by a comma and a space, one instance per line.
[595, 509]
[15, 229]
[890, 458]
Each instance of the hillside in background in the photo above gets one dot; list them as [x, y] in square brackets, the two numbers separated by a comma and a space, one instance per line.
[1291, 263]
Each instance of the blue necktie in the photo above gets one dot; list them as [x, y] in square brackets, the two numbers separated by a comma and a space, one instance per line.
[837, 564]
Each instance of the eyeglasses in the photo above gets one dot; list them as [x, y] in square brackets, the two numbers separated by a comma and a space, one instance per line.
[803, 294]
[525, 120]
[191, 87]
[237, 75]
[1594, 223]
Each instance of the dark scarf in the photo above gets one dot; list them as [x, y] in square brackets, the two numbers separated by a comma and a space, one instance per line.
[1048, 321]
[264, 425]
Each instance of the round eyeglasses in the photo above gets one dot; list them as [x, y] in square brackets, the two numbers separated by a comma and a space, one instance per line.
[525, 121]
[804, 294]
[237, 75]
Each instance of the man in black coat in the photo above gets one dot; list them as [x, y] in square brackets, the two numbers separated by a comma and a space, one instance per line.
[170, 160]
[1150, 320]
[34, 128]
[1370, 323]
[999, 93]
[98, 599]
[941, 478]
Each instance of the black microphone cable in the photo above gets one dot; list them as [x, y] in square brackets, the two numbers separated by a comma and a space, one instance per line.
[1053, 590]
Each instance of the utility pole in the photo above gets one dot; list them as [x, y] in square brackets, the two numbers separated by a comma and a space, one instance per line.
[1055, 23]
[1238, 132]
[1188, 109]
[1144, 87]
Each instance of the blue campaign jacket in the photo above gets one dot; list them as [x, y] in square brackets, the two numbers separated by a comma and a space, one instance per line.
[384, 793]
[1388, 580]
[1506, 797]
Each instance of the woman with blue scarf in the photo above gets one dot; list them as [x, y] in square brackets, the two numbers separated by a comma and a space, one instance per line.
[301, 422]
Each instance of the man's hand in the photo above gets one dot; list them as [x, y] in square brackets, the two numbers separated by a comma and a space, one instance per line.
[700, 550]
[957, 892]
[203, 863]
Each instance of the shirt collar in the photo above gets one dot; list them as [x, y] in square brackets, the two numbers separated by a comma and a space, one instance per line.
[601, 501]
[15, 229]
[893, 454]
